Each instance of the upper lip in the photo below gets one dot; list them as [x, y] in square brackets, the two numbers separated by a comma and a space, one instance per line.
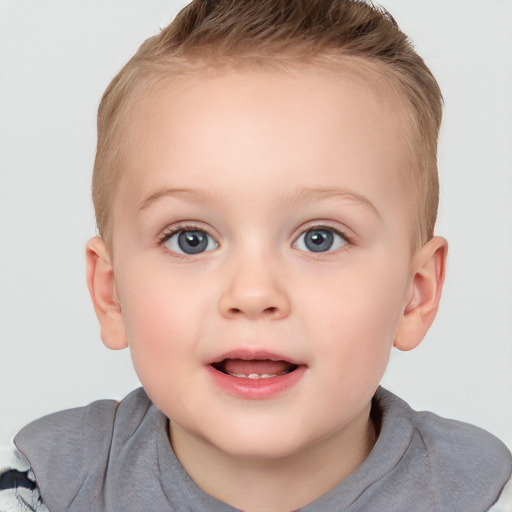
[252, 355]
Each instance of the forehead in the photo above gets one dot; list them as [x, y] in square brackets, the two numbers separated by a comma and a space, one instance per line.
[305, 126]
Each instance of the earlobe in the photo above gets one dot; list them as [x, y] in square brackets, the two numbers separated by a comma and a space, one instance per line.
[429, 268]
[100, 280]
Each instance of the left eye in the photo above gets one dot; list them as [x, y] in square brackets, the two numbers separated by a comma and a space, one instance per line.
[320, 240]
[190, 242]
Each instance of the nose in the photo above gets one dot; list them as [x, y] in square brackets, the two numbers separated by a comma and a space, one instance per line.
[254, 291]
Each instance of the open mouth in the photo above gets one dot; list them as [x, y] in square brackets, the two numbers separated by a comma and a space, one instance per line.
[254, 368]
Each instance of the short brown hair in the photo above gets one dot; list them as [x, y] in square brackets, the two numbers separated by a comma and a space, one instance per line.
[215, 33]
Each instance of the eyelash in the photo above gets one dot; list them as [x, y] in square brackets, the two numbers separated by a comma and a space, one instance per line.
[314, 227]
[169, 232]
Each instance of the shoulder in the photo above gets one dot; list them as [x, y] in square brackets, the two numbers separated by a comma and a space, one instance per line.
[67, 442]
[80, 429]
[466, 458]
[446, 440]
[450, 444]
[50, 448]
[504, 503]
[456, 461]
[18, 487]
[456, 446]
[65, 448]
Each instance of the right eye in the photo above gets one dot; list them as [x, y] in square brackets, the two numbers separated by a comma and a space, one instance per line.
[193, 241]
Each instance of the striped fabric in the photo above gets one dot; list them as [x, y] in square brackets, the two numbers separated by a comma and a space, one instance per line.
[18, 489]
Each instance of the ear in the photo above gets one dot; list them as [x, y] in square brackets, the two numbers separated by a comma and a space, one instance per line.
[100, 280]
[429, 268]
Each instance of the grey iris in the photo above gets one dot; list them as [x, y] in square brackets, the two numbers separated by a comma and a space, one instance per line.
[192, 242]
[319, 240]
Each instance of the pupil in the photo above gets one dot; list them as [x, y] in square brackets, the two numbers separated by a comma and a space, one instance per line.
[319, 240]
[192, 242]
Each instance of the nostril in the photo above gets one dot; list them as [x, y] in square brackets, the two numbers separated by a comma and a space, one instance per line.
[267, 311]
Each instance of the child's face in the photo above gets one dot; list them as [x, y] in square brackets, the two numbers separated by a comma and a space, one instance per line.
[263, 216]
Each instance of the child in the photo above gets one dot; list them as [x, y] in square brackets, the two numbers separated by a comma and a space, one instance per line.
[265, 190]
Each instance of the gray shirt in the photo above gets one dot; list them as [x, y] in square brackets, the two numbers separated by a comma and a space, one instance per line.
[115, 456]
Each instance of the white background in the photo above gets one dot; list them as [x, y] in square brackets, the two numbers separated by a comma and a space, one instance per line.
[56, 59]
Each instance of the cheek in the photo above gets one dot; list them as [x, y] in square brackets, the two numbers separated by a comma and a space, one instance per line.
[155, 299]
[358, 315]
[161, 318]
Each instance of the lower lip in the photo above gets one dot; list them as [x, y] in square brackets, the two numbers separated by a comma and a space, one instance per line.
[256, 389]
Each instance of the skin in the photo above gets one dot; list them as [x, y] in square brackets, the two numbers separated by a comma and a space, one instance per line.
[256, 159]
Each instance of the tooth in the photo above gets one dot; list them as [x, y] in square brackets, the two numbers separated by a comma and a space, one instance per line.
[253, 376]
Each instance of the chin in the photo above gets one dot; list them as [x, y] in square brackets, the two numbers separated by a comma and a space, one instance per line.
[260, 444]
[260, 452]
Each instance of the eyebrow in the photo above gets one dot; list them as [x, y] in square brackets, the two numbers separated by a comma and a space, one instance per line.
[301, 195]
[178, 193]
[315, 194]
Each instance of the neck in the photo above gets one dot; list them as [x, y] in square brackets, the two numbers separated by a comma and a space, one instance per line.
[276, 484]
